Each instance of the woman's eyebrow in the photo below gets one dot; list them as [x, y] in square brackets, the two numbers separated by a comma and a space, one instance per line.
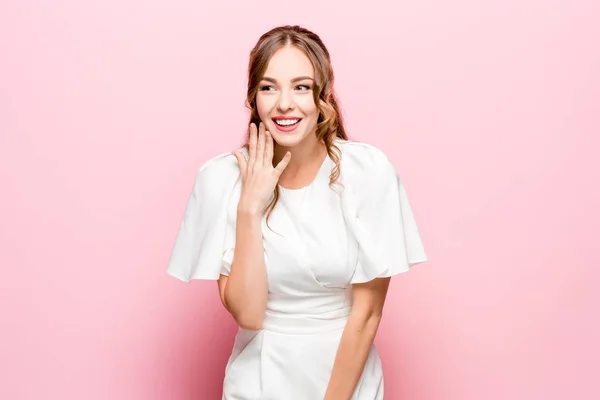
[299, 78]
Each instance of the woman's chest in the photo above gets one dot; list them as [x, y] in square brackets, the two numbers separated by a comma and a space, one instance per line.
[309, 247]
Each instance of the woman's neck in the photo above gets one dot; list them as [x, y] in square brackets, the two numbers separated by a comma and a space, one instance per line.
[307, 157]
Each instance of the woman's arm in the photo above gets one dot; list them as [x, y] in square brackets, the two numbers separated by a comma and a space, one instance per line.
[244, 292]
[367, 307]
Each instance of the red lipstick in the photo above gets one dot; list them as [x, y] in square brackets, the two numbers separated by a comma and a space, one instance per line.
[286, 127]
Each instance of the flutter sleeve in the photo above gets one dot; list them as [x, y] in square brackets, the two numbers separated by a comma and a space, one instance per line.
[388, 237]
[205, 241]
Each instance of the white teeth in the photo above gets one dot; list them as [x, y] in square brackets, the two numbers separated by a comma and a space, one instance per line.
[286, 122]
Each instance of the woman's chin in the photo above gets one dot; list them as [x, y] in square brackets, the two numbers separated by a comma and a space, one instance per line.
[287, 139]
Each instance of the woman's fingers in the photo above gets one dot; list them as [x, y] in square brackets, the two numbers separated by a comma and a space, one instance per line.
[269, 149]
[260, 149]
[283, 164]
[252, 146]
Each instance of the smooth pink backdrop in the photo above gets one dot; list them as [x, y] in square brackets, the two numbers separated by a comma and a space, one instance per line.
[490, 110]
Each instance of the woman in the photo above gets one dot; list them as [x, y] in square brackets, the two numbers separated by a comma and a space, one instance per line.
[303, 229]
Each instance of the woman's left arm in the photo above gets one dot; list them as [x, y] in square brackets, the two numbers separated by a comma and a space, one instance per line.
[357, 338]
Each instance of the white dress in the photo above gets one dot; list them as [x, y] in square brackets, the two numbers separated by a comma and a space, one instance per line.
[324, 242]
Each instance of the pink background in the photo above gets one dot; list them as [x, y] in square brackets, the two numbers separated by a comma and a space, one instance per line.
[490, 110]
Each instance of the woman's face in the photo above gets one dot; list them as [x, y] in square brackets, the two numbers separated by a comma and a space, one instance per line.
[285, 97]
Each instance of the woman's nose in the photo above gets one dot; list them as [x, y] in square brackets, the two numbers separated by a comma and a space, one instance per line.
[286, 101]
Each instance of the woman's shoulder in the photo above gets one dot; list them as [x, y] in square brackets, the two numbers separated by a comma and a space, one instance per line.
[220, 171]
[363, 158]
[220, 164]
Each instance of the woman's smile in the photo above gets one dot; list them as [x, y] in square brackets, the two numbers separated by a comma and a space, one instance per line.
[286, 124]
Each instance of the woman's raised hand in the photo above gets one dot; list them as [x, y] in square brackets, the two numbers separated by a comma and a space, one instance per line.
[259, 177]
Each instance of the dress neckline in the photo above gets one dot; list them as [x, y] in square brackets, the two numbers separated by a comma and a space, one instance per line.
[320, 172]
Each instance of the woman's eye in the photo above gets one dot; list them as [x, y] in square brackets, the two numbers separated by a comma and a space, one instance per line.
[270, 88]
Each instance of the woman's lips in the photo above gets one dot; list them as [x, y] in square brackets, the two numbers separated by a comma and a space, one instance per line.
[286, 128]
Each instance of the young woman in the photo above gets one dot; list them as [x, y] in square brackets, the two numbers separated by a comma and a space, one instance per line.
[302, 228]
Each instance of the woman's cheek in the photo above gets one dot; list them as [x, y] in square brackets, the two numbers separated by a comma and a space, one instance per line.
[307, 105]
